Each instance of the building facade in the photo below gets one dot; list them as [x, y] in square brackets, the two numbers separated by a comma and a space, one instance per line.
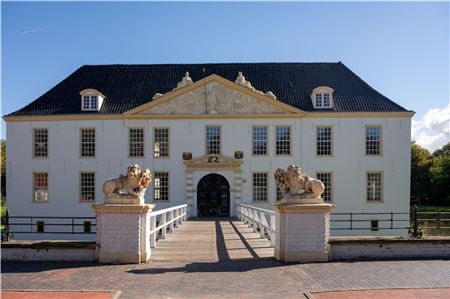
[212, 135]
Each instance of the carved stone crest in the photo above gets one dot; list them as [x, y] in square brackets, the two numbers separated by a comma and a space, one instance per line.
[298, 187]
[238, 155]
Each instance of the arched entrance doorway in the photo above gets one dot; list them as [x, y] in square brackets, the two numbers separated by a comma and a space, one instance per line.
[213, 196]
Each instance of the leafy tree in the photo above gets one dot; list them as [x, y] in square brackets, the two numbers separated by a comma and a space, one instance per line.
[3, 166]
[421, 162]
[440, 174]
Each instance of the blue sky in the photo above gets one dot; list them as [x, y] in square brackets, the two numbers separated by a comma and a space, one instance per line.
[400, 49]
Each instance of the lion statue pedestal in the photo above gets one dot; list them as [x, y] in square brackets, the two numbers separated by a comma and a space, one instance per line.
[302, 219]
[123, 220]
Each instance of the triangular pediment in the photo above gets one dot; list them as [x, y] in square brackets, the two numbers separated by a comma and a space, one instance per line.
[214, 96]
[213, 161]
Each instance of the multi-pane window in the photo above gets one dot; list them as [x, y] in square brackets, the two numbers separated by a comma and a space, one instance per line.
[259, 186]
[40, 147]
[161, 142]
[374, 186]
[323, 100]
[87, 186]
[373, 140]
[90, 103]
[213, 140]
[283, 140]
[324, 141]
[161, 186]
[40, 186]
[259, 140]
[279, 195]
[87, 143]
[136, 142]
[326, 179]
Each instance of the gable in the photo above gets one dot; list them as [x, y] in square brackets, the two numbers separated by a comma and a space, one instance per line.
[215, 96]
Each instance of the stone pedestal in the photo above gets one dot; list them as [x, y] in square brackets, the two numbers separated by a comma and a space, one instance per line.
[302, 232]
[123, 233]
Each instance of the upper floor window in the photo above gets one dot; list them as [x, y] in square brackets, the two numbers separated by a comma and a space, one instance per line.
[374, 186]
[213, 140]
[324, 139]
[91, 100]
[259, 140]
[136, 142]
[322, 97]
[161, 142]
[283, 140]
[373, 141]
[40, 186]
[40, 143]
[87, 142]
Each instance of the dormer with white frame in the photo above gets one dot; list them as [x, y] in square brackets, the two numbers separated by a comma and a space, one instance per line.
[91, 99]
[322, 97]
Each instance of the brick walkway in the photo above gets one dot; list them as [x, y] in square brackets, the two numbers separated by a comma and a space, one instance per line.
[224, 272]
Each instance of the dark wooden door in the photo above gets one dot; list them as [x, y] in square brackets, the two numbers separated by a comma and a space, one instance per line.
[213, 196]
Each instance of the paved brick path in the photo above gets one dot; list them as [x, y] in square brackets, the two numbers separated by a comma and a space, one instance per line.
[226, 274]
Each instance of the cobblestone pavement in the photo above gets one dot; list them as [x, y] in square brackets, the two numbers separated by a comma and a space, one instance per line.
[238, 268]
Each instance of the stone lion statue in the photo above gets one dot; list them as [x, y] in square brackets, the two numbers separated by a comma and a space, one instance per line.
[293, 180]
[135, 183]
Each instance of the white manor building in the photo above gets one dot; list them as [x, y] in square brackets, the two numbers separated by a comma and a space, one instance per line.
[212, 135]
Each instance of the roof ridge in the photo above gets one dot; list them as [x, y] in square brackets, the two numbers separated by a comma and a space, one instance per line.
[213, 63]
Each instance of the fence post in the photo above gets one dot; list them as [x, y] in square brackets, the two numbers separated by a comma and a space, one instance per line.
[261, 225]
[438, 218]
[73, 225]
[152, 232]
[272, 230]
[171, 222]
[351, 221]
[392, 220]
[414, 231]
[163, 223]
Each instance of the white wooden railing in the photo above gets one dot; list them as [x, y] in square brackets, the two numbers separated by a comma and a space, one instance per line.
[259, 219]
[166, 219]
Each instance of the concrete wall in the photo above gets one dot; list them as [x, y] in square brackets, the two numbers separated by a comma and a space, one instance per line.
[361, 248]
[348, 163]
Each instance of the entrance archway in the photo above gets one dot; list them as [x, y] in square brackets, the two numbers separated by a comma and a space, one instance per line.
[213, 196]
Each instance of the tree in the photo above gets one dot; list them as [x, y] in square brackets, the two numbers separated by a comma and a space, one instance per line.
[3, 166]
[440, 174]
[421, 162]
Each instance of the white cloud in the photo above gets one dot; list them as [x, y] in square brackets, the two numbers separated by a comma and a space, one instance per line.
[432, 131]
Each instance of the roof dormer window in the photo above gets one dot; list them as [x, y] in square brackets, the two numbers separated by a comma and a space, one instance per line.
[91, 100]
[322, 97]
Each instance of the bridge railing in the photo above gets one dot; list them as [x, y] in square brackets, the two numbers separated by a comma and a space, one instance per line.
[261, 220]
[166, 220]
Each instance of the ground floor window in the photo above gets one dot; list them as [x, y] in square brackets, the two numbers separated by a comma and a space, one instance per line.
[161, 189]
[326, 178]
[40, 186]
[260, 186]
[374, 186]
[87, 186]
[279, 195]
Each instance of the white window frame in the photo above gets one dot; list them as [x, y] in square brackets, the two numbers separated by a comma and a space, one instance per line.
[281, 146]
[91, 99]
[87, 146]
[91, 186]
[157, 148]
[135, 146]
[371, 146]
[36, 188]
[320, 95]
[255, 150]
[328, 192]
[213, 150]
[320, 144]
[375, 193]
[260, 190]
[37, 144]
[160, 191]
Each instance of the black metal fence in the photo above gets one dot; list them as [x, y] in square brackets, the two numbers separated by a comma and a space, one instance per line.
[416, 223]
[47, 225]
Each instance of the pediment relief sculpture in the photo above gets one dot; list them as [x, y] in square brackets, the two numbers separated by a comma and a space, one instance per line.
[213, 161]
[297, 187]
[214, 98]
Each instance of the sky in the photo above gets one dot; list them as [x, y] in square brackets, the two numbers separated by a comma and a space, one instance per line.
[400, 49]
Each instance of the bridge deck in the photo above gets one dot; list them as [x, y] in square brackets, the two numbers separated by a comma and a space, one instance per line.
[217, 239]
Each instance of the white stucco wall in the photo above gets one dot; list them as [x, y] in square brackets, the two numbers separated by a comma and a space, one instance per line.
[348, 163]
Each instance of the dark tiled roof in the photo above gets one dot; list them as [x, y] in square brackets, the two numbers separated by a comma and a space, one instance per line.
[129, 86]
